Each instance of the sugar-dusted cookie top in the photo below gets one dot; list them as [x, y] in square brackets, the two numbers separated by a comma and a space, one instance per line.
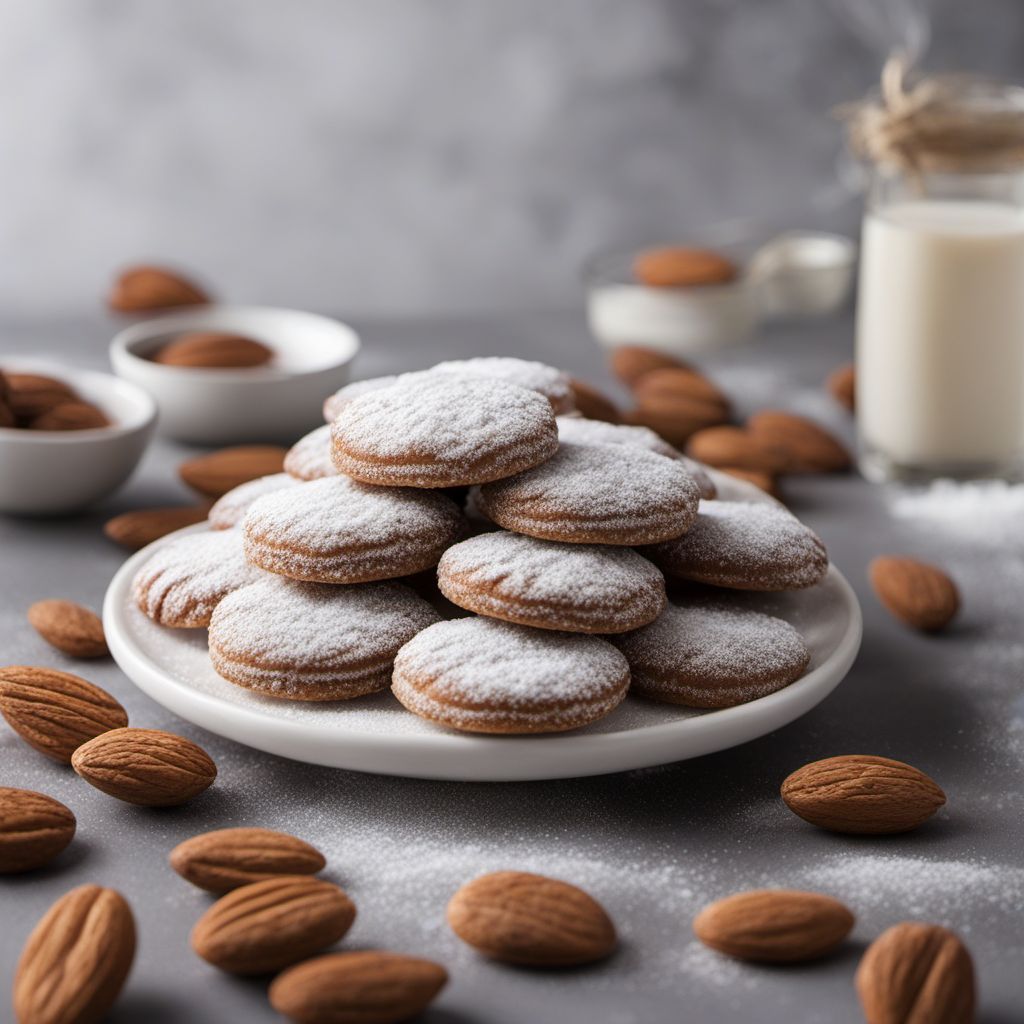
[310, 457]
[229, 509]
[554, 384]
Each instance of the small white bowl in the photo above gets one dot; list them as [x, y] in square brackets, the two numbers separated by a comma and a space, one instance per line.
[277, 402]
[48, 472]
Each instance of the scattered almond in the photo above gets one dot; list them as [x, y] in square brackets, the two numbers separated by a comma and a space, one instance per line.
[32, 394]
[367, 987]
[631, 362]
[76, 960]
[592, 404]
[147, 287]
[676, 419]
[148, 767]
[809, 447]
[230, 857]
[56, 712]
[774, 925]
[268, 925]
[919, 594]
[764, 481]
[679, 266]
[136, 529]
[215, 474]
[213, 350]
[738, 448]
[841, 383]
[71, 416]
[522, 918]
[674, 383]
[34, 828]
[861, 794]
[916, 972]
[69, 627]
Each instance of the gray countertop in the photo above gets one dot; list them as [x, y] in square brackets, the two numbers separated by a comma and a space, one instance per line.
[653, 846]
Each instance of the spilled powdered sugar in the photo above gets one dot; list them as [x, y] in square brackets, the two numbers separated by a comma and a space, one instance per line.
[230, 509]
[310, 457]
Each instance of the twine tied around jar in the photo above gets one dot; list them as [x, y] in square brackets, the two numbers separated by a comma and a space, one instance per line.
[939, 123]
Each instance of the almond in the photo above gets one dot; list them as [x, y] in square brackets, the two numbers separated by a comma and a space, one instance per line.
[862, 795]
[919, 594]
[809, 447]
[56, 712]
[764, 481]
[229, 857]
[69, 627]
[631, 362]
[215, 474]
[842, 383]
[148, 287]
[213, 350]
[676, 419]
[774, 925]
[736, 447]
[71, 416]
[32, 394]
[145, 766]
[34, 828]
[522, 918]
[367, 987]
[76, 960]
[916, 972]
[592, 404]
[677, 266]
[136, 529]
[268, 925]
[677, 383]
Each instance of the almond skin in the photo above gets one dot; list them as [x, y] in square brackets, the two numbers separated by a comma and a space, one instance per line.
[231, 857]
[213, 350]
[69, 627]
[76, 960]
[34, 828]
[148, 287]
[916, 972]
[147, 767]
[136, 529]
[528, 919]
[676, 420]
[677, 266]
[918, 594]
[215, 474]
[809, 447]
[56, 712]
[32, 394]
[631, 362]
[677, 383]
[780, 926]
[71, 416]
[592, 404]
[842, 385]
[271, 924]
[739, 448]
[367, 987]
[860, 794]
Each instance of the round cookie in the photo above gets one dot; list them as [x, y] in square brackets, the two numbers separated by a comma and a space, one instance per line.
[185, 578]
[310, 457]
[482, 675]
[336, 530]
[577, 430]
[596, 494]
[554, 384]
[582, 588]
[442, 430]
[745, 546]
[309, 641]
[713, 656]
[336, 402]
[230, 509]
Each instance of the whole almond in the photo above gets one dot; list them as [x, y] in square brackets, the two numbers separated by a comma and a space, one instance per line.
[69, 627]
[630, 362]
[522, 918]
[230, 857]
[213, 350]
[148, 767]
[591, 403]
[774, 925]
[809, 447]
[148, 287]
[215, 474]
[136, 529]
[71, 416]
[862, 795]
[916, 973]
[919, 594]
[678, 383]
[676, 420]
[34, 828]
[677, 266]
[763, 481]
[366, 987]
[56, 712]
[842, 383]
[76, 960]
[32, 394]
[739, 448]
[268, 925]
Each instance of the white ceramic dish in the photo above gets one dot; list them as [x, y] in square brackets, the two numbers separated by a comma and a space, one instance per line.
[50, 472]
[277, 402]
[375, 734]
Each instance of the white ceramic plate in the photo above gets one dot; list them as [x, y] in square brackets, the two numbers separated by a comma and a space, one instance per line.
[376, 734]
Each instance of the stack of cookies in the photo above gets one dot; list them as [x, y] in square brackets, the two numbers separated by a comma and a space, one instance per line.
[551, 536]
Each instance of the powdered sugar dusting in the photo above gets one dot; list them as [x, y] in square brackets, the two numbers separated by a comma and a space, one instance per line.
[552, 383]
[336, 402]
[230, 509]
[310, 457]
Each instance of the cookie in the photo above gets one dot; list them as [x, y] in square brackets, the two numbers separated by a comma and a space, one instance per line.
[184, 579]
[482, 675]
[441, 430]
[337, 530]
[310, 457]
[596, 494]
[554, 384]
[577, 430]
[746, 546]
[336, 402]
[308, 641]
[582, 588]
[230, 509]
[713, 656]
